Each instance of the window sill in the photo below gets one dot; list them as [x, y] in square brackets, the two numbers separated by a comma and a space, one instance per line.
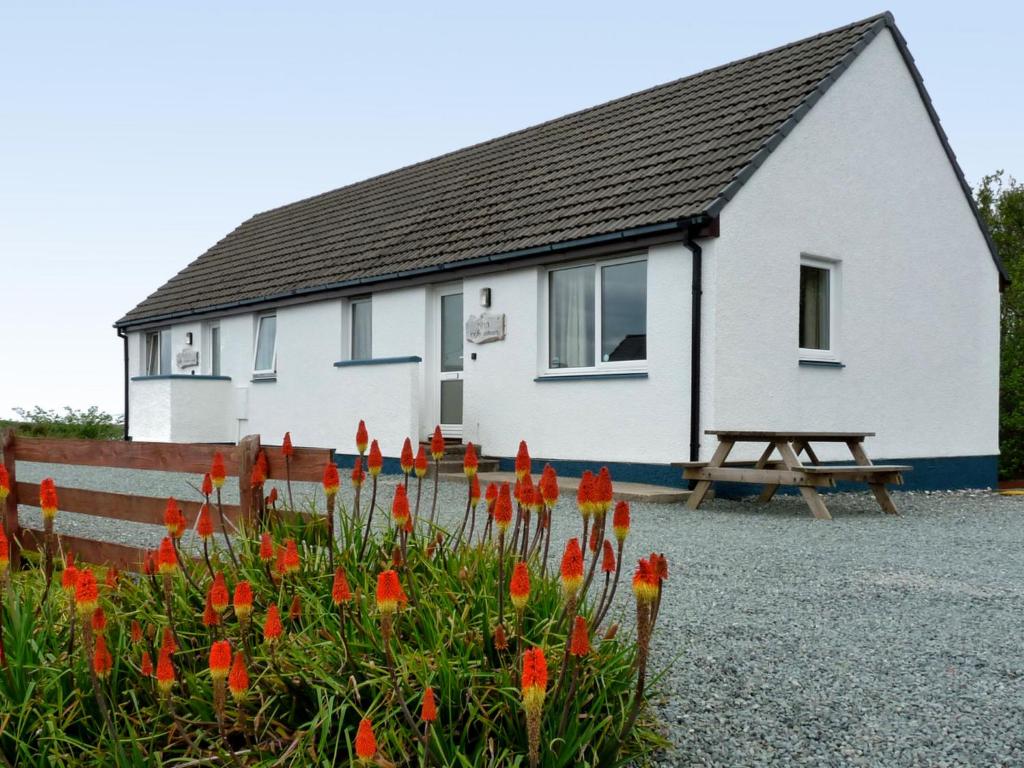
[259, 379]
[591, 376]
[823, 363]
[199, 377]
[379, 361]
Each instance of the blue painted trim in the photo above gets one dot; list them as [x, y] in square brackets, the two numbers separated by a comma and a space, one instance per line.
[262, 379]
[392, 465]
[630, 472]
[823, 363]
[592, 376]
[182, 376]
[379, 361]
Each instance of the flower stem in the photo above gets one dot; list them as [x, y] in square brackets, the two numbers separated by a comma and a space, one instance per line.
[224, 529]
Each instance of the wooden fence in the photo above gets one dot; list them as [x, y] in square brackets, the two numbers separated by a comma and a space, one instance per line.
[307, 464]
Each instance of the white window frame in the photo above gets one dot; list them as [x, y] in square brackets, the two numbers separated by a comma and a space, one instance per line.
[160, 338]
[211, 355]
[599, 367]
[268, 373]
[832, 266]
[350, 325]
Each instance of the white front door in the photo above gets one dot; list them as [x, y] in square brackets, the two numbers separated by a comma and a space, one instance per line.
[450, 341]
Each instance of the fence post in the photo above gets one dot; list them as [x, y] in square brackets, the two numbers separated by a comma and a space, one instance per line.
[248, 448]
[10, 511]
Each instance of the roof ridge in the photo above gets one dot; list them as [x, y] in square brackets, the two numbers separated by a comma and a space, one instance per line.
[594, 107]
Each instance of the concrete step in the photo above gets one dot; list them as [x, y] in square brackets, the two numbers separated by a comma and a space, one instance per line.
[452, 448]
[453, 466]
[638, 492]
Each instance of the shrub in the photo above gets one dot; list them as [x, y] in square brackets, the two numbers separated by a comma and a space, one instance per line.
[403, 643]
[92, 423]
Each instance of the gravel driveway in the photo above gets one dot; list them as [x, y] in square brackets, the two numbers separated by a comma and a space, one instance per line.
[868, 640]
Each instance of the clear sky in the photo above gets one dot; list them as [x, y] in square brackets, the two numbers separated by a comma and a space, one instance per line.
[134, 135]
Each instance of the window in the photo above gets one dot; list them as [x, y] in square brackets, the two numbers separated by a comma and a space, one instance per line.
[817, 308]
[265, 359]
[361, 327]
[215, 350]
[597, 315]
[158, 352]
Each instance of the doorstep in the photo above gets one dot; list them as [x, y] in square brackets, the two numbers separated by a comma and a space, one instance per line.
[637, 492]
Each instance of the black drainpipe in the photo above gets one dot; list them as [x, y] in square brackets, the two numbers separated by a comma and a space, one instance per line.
[695, 313]
[124, 335]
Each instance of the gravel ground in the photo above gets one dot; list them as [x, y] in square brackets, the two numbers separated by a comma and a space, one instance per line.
[866, 641]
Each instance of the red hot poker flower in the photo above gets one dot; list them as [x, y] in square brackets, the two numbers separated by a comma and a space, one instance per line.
[503, 508]
[340, 592]
[243, 600]
[389, 592]
[522, 460]
[207, 486]
[645, 582]
[375, 461]
[286, 445]
[219, 593]
[580, 643]
[5, 483]
[474, 489]
[549, 486]
[238, 679]
[406, 459]
[291, 557]
[603, 493]
[400, 506]
[48, 498]
[165, 670]
[147, 664]
[437, 444]
[620, 521]
[420, 463]
[272, 627]
[519, 587]
[220, 659]
[217, 471]
[470, 461]
[101, 659]
[534, 679]
[172, 515]
[272, 497]
[168, 640]
[428, 713]
[258, 476]
[149, 563]
[358, 476]
[572, 568]
[362, 437]
[608, 558]
[87, 595]
[262, 463]
[331, 480]
[585, 494]
[266, 548]
[210, 617]
[204, 526]
[295, 611]
[500, 640]
[136, 632]
[660, 566]
[99, 620]
[167, 561]
[366, 742]
[594, 539]
[5, 556]
[491, 497]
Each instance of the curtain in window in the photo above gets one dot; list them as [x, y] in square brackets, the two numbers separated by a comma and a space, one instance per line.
[265, 341]
[571, 318]
[814, 291]
[152, 354]
[361, 330]
[165, 351]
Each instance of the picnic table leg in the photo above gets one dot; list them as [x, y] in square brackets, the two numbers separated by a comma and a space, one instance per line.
[700, 490]
[881, 492]
[769, 490]
[811, 495]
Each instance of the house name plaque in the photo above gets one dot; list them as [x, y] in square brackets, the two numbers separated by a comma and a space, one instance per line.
[485, 328]
[188, 358]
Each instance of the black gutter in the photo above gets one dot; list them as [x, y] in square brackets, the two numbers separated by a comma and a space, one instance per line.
[124, 336]
[696, 292]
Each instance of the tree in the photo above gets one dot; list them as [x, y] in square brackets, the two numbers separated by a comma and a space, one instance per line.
[1001, 203]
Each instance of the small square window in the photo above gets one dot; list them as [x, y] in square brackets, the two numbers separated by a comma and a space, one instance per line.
[265, 359]
[158, 352]
[361, 336]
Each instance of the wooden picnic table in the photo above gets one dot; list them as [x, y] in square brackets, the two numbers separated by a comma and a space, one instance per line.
[787, 469]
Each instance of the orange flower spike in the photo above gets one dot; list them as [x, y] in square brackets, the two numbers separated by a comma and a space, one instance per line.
[262, 463]
[470, 461]
[171, 517]
[101, 659]
[358, 476]
[272, 627]
[291, 557]
[287, 449]
[136, 632]
[207, 486]
[219, 593]
[362, 437]
[266, 548]
[217, 470]
[406, 459]
[113, 578]
[645, 582]
[491, 497]
[585, 494]
[210, 617]
[340, 592]
[99, 620]
[168, 640]
[258, 476]
[279, 561]
[534, 679]
[149, 563]
[607, 558]
[400, 506]
[549, 486]
[579, 645]
[243, 600]
[572, 568]
[167, 561]
[420, 463]
[620, 521]
[238, 679]
[408, 525]
[5, 557]
[428, 713]
[437, 444]
[375, 461]
[519, 587]
[474, 490]
[5, 483]
[331, 480]
[220, 659]
[87, 595]
[272, 497]
[165, 670]
[660, 566]
[503, 508]
[295, 611]
[366, 742]
[593, 539]
[522, 460]
[48, 498]
[500, 639]
[146, 667]
[389, 592]
[204, 525]
[603, 492]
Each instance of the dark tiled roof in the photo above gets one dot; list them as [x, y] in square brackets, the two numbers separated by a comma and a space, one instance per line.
[662, 155]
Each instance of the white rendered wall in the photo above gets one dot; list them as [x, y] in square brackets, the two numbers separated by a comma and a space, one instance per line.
[864, 179]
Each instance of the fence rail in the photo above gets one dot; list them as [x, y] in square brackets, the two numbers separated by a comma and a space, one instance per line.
[306, 464]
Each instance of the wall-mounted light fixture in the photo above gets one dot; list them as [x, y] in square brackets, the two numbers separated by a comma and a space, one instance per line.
[485, 297]
[188, 338]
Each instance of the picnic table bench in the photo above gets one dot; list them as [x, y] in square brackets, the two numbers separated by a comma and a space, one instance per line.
[788, 469]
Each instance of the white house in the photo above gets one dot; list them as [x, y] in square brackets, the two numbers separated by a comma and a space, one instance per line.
[783, 242]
